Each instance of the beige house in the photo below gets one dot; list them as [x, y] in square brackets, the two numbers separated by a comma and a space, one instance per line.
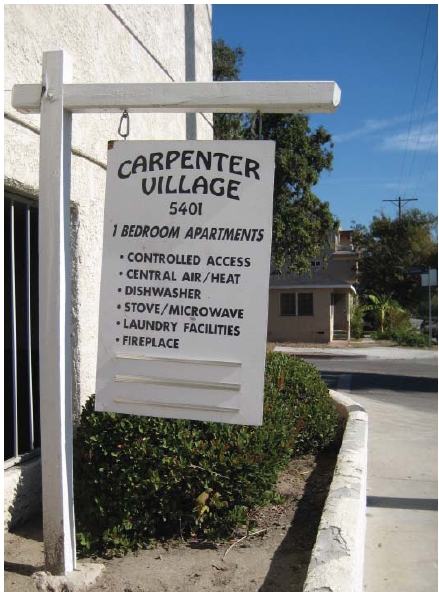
[315, 308]
[123, 43]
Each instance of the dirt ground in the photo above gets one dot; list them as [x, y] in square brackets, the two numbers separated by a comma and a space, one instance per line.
[272, 557]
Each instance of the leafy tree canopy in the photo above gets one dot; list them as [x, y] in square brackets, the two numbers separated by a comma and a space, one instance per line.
[301, 222]
[389, 249]
[227, 63]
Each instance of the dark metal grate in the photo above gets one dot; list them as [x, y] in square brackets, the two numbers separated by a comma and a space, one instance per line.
[21, 355]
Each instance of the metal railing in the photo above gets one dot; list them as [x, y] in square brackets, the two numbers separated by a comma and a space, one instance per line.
[344, 248]
[21, 380]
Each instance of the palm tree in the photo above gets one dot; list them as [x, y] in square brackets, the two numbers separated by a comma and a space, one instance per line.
[383, 305]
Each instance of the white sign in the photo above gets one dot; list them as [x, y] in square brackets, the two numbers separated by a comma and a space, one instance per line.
[185, 277]
[429, 278]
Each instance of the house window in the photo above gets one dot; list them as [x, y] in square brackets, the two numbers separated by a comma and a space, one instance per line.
[316, 263]
[21, 349]
[305, 304]
[288, 305]
[297, 304]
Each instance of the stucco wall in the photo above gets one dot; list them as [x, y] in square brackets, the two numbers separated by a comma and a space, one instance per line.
[343, 267]
[115, 43]
[305, 329]
[106, 43]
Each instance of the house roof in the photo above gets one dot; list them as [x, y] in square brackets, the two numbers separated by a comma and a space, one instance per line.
[330, 278]
[302, 281]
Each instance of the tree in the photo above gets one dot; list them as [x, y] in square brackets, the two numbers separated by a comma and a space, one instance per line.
[389, 249]
[227, 64]
[301, 222]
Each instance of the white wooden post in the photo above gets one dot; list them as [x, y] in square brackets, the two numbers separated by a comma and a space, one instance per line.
[54, 310]
[188, 97]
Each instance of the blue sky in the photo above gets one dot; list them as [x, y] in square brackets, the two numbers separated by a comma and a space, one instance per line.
[384, 58]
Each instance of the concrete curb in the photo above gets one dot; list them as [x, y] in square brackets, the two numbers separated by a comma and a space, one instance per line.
[338, 555]
[321, 353]
[376, 352]
[21, 492]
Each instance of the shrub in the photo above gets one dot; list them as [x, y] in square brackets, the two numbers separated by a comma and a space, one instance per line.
[410, 338]
[357, 320]
[139, 478]
[399, 320]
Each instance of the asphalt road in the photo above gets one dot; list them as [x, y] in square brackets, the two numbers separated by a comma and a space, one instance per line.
[400, 397]
[411, 383]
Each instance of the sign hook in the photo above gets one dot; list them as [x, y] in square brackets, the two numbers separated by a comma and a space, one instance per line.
[126, 117]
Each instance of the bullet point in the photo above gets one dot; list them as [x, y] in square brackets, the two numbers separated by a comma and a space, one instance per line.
[120, 272]
[121, 256]
[118, 306]
[117, 338]
[118, 323]
[119, 290]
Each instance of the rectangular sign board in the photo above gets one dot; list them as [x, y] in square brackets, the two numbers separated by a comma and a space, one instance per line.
[185, 279]
[417, 270]
[429, 278]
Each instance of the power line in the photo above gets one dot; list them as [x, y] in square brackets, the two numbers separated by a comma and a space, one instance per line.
[414, 98]
[432, 143]
[421, 126]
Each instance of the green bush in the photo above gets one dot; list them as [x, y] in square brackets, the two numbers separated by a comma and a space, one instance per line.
[139, 478]
[409, 338]
[357, 320]
[399, 320]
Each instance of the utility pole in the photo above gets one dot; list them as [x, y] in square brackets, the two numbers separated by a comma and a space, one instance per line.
[399, 201]
[430, 328]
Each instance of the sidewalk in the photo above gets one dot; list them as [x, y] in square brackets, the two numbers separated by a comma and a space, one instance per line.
[401, 512]
[363, 349]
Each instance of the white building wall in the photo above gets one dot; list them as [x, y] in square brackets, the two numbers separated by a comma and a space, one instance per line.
[114, 43]
[119, 43]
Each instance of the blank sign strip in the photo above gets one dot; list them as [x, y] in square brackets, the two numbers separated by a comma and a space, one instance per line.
[178, 360]
[179, 405]
[223, 386]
